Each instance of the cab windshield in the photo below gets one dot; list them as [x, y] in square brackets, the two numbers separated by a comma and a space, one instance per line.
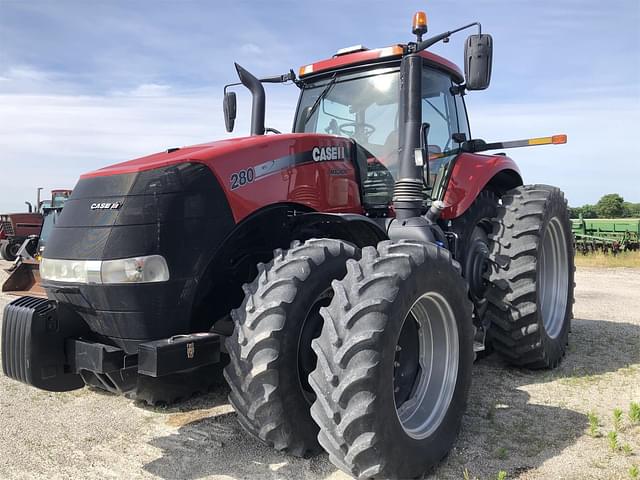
[362, 106]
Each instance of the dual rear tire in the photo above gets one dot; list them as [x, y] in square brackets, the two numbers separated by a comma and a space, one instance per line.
[368, 355]
[385, 386]
[531, 295]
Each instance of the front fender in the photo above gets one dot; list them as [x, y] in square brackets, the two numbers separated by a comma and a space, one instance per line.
[471, 174]
[357, 229]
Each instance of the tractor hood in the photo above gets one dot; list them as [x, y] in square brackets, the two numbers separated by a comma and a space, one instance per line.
[261, 170]
[183, 204]
[235, 150]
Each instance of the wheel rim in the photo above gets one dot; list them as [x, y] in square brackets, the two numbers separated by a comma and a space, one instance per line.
[13, 249]
[553, 278]
[434, 381]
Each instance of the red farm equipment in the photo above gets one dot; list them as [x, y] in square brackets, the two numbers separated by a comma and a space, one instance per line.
[345, 275]
[15, 228]
[24, 274]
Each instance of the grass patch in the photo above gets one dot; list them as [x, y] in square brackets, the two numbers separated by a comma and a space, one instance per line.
[613, 440]
[617, 418]
[634, 413]
[502, 475]
[594, 423]
[577, 379]
[633, 472]
[502, 453]
[599, 259]
[467, 476]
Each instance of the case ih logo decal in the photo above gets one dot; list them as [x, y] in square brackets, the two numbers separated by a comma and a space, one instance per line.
[321, 154]
[244, 177]
[106, 206]
[191, 349]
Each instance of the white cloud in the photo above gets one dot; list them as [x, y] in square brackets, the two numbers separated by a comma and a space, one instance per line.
[49, 140]
[150, 90]
[600, 156]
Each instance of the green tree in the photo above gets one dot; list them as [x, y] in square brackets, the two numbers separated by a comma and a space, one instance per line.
[574, 212]
[631, 209]
[610, 206]
[589, 211]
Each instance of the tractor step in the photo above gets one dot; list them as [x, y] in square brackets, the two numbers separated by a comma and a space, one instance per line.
[178, 353]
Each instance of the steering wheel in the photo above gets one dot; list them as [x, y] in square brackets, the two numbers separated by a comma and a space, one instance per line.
[368, 129]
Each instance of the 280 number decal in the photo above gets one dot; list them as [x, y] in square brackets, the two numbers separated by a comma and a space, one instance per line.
[242, 178]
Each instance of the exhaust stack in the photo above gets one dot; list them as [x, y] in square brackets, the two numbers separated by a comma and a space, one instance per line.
[258, 104]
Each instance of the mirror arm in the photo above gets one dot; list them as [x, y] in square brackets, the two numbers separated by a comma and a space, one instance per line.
[290, 76]
[459, 89]
[418, 47]
[224, 90]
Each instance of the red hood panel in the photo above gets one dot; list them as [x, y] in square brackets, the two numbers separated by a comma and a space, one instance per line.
[265, 147]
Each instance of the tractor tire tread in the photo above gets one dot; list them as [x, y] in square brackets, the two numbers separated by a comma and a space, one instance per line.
[354, 325]
[254, 346]
[512, 307]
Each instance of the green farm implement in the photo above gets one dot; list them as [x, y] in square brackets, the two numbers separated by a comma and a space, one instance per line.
[606, 234]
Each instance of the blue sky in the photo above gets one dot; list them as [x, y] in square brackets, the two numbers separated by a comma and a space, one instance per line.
[85, 83]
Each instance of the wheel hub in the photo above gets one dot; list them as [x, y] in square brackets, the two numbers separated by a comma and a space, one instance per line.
[311, 328]
[406, 362]
[477, 263]
[426, 373]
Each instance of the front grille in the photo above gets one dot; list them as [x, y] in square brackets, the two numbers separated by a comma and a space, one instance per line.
[5, 226]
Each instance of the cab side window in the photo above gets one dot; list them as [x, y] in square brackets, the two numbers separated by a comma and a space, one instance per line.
[439, 110]
[463, 122]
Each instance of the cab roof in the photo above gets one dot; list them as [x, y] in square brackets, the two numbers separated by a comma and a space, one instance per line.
[364, 56]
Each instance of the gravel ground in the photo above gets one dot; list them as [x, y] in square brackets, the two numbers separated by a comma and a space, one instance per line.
[532, 425]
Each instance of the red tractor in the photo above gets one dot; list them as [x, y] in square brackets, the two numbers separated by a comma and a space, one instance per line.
[345, 275]
[15, 228]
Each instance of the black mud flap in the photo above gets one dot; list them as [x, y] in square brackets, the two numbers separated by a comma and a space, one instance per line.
[33, 344]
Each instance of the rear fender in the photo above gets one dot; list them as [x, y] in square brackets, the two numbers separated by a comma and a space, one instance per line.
[473, 173]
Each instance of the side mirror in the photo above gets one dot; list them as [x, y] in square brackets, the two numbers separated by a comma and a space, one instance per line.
[478, 53]
[229, 107]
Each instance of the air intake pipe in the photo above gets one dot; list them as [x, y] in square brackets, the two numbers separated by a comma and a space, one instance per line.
[408, 196]
[258, 103]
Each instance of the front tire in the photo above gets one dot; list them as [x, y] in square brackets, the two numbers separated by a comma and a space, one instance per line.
[9, 251]
[270, 348]
[394, 362]
[531, 299]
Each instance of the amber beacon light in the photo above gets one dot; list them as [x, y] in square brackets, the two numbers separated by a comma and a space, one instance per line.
[419, 26]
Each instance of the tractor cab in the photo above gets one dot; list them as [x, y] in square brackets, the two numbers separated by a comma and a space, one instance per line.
[362, 101]
[401, 106]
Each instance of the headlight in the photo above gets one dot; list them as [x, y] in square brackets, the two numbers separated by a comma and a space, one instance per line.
[152, 268]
